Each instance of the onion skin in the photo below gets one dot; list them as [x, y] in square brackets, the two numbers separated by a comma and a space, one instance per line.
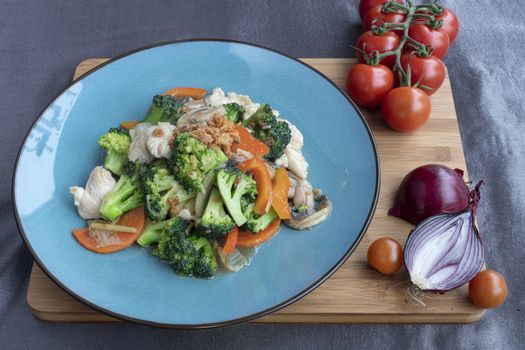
[430, 190]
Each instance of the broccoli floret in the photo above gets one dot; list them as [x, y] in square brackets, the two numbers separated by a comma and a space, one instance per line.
[262, 119]
[187, 256]
[280, 136]
[233, 186]
[152, 233]
[169, 239]
[258, 223]
[214, 222]
[247, 204]
[156, 176]
[125, 195]
[234, 111]
[275, 134]
[192, 160]
[255, 222]
[160, 189]
[165, 109]
[116, 144]
[205, 264]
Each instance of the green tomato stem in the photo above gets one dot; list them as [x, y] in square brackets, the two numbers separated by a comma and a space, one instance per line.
[433, 8]
[413, 13]
[391, 7]
[405, 26]
[424, 15]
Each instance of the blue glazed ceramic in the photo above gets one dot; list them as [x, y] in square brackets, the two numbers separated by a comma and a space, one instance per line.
[61, 149]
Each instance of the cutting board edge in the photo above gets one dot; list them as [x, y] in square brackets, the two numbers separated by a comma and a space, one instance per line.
[92, 316]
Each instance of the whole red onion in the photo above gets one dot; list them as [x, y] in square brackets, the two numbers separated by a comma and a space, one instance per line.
[430, 190]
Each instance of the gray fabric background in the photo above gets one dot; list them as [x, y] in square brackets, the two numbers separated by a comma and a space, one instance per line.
[41, 42]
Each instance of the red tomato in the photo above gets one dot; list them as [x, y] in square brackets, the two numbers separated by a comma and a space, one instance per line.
[385, 42]
[429, 71]
[488, 289]
[439, 41]
[368, 85]
[406, 108]
[375, 13]
[365, 5]
[450, 24]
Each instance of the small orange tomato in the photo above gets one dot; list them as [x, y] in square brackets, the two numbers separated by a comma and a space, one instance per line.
[488, 289]
[385, 255]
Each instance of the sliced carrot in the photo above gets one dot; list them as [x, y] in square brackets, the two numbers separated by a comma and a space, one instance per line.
[249, 143]
[194, 93]
[280, 187]
[248, 239]
[108, 242]
[264, 183]
[231, 241]
[129, 125]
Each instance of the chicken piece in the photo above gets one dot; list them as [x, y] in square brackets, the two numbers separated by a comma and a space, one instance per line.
[138, 150]
[159, 142]
[282, 161]
[293, 186]
[88, 200]
[296, 162]
[217, 98]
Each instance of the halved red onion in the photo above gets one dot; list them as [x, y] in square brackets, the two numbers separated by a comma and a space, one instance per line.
[444, 252]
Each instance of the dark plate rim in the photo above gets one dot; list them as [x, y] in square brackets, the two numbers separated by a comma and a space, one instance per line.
[251, 317]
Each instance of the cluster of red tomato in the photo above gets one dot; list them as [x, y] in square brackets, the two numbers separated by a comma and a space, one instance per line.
[404, 108]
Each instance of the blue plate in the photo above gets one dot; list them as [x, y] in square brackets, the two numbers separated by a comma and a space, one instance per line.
[61, 149]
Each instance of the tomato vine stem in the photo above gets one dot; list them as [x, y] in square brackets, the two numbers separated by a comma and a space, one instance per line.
[423, 12]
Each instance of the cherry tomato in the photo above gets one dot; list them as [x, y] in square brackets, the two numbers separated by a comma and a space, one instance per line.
[450, 24]
[439, 41]
[365, 5]
[488, 289]
[385, 42]
[385, 255]
[406, 108]
[429, 71]
[368, 85]
[375, 13]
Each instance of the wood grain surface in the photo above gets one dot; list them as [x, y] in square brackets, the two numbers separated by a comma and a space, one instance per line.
[355, 293]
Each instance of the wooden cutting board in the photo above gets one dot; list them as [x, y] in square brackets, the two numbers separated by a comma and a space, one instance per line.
[355, 293]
